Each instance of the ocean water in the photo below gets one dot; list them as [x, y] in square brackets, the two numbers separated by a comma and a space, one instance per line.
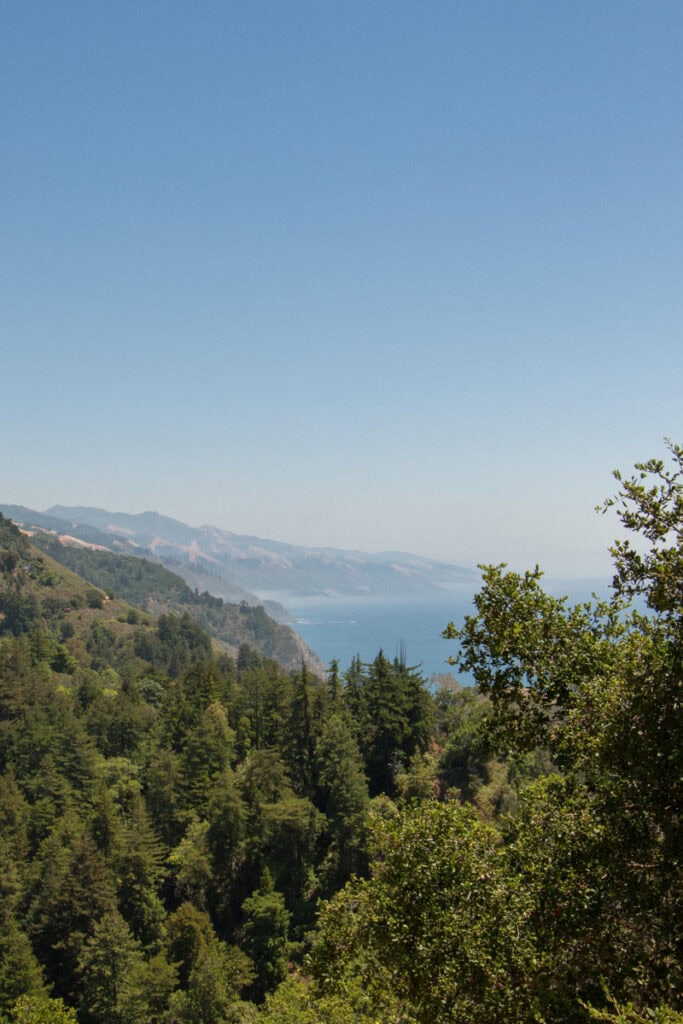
[341, 628]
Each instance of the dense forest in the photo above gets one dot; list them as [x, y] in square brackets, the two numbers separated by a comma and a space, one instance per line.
[187, 836]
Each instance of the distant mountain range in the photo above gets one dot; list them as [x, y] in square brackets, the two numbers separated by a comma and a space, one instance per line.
[238, 567]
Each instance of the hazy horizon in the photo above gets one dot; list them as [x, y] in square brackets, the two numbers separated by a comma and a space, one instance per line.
[387, 276]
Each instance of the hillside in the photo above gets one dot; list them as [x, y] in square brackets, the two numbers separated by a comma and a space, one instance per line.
[155, 589]
[268, 568]
[70, 622]
[77, 534]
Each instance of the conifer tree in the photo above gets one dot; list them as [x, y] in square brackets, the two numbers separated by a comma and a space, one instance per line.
[107, 966]
[300, 733]
[343, 797]
[20, 972]
[139, 869]
[264, 935]
[73, 891]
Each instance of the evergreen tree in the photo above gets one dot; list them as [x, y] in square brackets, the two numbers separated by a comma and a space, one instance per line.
[139, 870]
[72, 892]
[153, 983]
[216, 979]
[392, 711]
[300, 732]
[207, 752]
[105, 824]
[334, 688]
[107, 966]
[20, 972]
[190, 864]
[225, 839]
[211, 973]
[264, 935]
[343, 798]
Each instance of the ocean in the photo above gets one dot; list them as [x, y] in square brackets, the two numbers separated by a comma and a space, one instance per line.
[341, 628]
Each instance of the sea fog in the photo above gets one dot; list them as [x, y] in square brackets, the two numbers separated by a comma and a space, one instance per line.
[340, 628]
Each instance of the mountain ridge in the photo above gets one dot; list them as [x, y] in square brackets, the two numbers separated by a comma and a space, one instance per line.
[260, 566]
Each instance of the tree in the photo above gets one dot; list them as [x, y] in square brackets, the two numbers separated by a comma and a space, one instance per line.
[41, 1010]
[601, 684]
[20, 972]
[290, 830]
[107, 965]
[300, 735]
[190, 865]
[264, 935]
[343, 798]
[72, 892]
[208, 749]
[225, 842]
[139, 869]
[650, 504]
[211, 973]
[153, 983]
[578, 893]
[294, 1003]
[392, 711]
[439, 927]
[217, 977]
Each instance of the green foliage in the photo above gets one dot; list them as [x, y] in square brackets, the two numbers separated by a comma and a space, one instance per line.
[211, 973]
[300, 735]
[138, 864]
[628, 1014]
[107, 966]
[190, 865]
[152, 587]
[440, 924]
[601, 685]
[73, 890]
[133, 579]
[264, 932]
[343, 799]
[20, 972]
[650, 504]
[294, 1003]
[41, 1010]
[392, 711]
[12, 543]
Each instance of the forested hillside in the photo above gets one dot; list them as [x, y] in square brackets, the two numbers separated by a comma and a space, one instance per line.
[154, 588]
[187, 836]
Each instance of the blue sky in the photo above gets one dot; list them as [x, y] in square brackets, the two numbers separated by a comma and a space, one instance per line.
[366, 274]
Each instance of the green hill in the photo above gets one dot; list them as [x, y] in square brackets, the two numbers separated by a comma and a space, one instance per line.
[155, 589]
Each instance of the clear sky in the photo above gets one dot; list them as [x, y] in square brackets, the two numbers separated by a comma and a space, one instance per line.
[372, 274]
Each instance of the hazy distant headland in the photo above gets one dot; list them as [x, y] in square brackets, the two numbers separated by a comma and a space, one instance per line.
[239, 567]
